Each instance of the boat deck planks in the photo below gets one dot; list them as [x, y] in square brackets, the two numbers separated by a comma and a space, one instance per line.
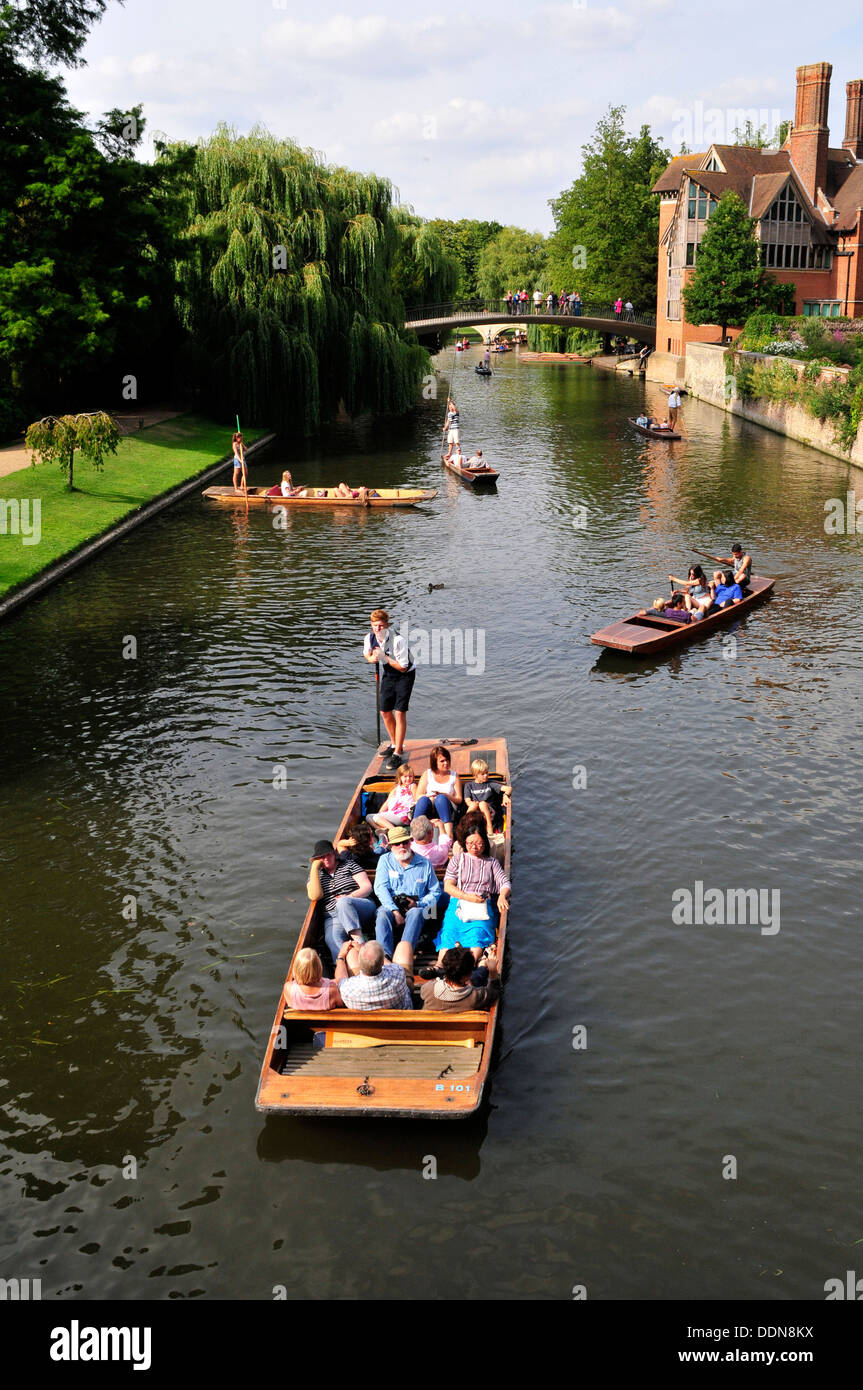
[394, 1059]
[642, 635]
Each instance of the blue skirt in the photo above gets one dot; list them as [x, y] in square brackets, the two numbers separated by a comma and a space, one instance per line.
[454, 930]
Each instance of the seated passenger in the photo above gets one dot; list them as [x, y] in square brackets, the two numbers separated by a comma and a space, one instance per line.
[286, 487]
[346, 892]
[423, 842]
[676, 610]
[472, 880]
[725, 591]
[439, 791]
[360, 843]
[477, 462]
[308, 989]
[644, 421]
[407, 888]
[381, 983]
[697, 596]
[453, 991]
[399, 805]
[482, 795]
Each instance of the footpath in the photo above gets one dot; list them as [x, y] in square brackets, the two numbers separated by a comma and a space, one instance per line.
[46, 530]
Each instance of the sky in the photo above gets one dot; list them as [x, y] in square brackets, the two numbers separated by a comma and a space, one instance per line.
[471, 110]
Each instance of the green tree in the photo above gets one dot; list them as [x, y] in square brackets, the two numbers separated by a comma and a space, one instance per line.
[424, 271]
[287, 289]
[514, 259]
[57, 440]
[465, 241]
[50, 30]
[729, 283]
[86, 246]
[606, 235]
[757, 139]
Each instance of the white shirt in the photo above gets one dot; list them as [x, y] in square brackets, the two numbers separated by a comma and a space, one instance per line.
[394, 645]
[537, 297]
[674, 400]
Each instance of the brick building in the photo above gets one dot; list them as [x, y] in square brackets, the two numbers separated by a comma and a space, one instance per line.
[807, 197]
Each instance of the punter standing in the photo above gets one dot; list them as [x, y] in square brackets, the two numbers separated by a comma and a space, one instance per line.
[398, 674]
[673, 408]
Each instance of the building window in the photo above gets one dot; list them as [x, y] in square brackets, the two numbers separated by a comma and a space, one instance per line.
[690, 253]
[821, 308]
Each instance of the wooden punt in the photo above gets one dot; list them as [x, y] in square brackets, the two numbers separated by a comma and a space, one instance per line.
[471, 475]
[413, 1064]
[554, 357]
[655, 433]
[260, 496]
[483, 371]
[642, 636]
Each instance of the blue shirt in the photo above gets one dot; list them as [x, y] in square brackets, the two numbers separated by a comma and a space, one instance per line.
[417, 880]
[727, 591]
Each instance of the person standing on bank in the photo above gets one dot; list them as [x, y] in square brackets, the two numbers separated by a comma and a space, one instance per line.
[398, 674]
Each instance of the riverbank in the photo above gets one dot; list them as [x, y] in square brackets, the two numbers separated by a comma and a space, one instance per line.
[45, 529]
[708, 378]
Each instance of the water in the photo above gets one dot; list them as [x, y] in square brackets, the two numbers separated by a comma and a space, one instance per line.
[153, 877]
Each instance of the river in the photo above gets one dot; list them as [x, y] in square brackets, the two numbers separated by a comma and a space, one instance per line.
[674, 1110]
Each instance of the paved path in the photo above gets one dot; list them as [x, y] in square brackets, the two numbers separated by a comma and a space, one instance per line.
[15, 456]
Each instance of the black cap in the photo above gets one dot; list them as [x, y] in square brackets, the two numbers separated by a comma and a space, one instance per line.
[323, 847]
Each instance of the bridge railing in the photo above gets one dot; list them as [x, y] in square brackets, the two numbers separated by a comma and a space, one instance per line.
[500, 309]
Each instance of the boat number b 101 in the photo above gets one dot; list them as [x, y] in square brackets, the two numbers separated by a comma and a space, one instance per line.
[453, 1087]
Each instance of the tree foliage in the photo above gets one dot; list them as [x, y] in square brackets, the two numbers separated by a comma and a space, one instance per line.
[513, 260]
[606, 235]
[729, 283]
[57, 439]
[86, 244]
[424, 270]
[465, 241]
[50, 30]
[287, 288]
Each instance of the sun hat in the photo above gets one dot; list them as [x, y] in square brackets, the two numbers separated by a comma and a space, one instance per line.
[398, 835]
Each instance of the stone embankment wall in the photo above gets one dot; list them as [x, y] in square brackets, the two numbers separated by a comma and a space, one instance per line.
[706, 371]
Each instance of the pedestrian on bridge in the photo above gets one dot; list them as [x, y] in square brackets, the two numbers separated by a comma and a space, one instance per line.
[509, 301]
[537, 300]
[628, 306]
[618, 305]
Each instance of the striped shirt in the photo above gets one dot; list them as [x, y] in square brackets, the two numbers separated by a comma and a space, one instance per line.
[342, 880]
[473, 875]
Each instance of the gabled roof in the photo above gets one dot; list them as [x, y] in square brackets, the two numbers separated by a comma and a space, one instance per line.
[849, 199]
[764, 189]
[669, 181]
[757, 176]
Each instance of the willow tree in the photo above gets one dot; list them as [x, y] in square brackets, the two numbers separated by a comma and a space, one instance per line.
[56, 439]
[287, 286]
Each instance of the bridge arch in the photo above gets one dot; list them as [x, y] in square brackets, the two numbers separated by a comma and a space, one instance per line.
[474, 313]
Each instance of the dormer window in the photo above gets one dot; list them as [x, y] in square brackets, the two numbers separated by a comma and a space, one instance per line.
[785, 208]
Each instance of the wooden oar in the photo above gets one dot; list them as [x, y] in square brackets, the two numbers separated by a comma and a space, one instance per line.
[704, 555]
[378, 699]
[337, 1039]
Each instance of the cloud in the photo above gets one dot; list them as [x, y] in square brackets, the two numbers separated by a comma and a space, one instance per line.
[373, 46]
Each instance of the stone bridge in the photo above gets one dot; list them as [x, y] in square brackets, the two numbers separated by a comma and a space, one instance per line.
[490, 315]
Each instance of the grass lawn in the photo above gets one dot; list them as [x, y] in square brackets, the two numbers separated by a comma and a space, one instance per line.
[146, 464]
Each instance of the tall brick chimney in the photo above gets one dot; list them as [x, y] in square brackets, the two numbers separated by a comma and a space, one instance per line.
[809, 137]
[853, 141]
